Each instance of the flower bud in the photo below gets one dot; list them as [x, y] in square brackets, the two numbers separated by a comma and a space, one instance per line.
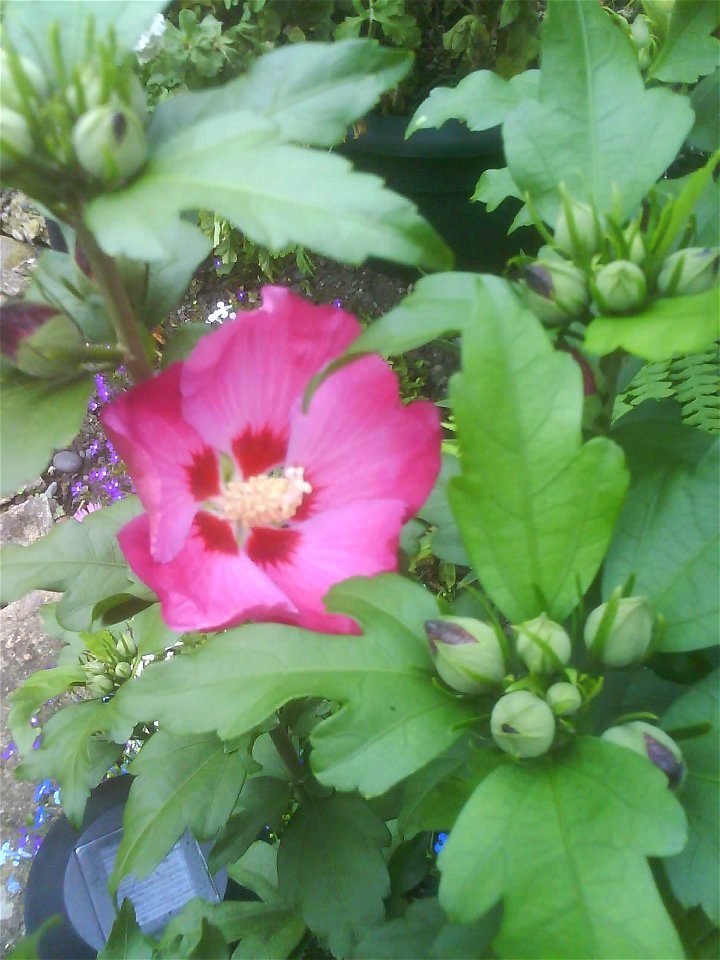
[101, 686]
[563, 699]
[467, 653]
[95, 668]
[522, 724]
[38, 340]
[629, 634]
[654, 744]
[689, 271]
[15, 138]
[126, 646]
[640, 32]
[636, 245]
[543, 645]
[123, 670]
[89, 95]
[556, 291]
[10, 96]
[110, 143]
[619, 287]
[577, 230]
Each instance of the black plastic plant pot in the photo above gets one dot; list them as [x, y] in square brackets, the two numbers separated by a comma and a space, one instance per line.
[438, 170]
[70, 872]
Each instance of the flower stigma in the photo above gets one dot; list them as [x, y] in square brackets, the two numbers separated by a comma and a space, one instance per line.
[265, 501]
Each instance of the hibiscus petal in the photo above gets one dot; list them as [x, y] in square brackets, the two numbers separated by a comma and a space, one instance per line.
[173, 468]
[210, 584]
[360, 539]
[240, 383]
[357, 441]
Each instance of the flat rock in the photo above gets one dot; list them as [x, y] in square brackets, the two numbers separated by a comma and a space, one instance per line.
[16, 262]
[26, 521]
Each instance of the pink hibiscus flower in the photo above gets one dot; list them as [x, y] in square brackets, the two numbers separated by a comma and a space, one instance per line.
[254, 509]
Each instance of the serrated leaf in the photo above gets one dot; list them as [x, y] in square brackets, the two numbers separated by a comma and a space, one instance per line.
[535, 507]
[261, 804]
[668, 537]
[695, 872]
[27, 26]
[689, 50]
[36, 418]
[126, 940]
[395, 716]
[181, 783]
[482, 100]
[589, 816]
[434, 796]
[705, 99]
[37, 690]
[312, 91]
[595, 129]
[331, 864]
[82, 560]
[664, 328]
[74, 753]
[494, 186]
[278, 195]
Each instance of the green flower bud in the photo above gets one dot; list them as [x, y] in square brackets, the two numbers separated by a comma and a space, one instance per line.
[89, 96]
[629, 635]
[564, 699]
[654, 744]
[619, 287]
[467, 653]
[577, 230]
[110, 143]
[636, 251]
[10, 96]
[95, 668]
[542, 643]
[522, 724]
[101, 686]
[640, 32]
[15, 138]
[123, 670]
[556, 291]
[689, 271]
[126, 646]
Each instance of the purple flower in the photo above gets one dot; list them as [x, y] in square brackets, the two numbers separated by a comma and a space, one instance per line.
[9, 751]
[13, 886]
[337, 304]
[93, 448]
[217, 262]
[40, 816]
[36, 744]
[77, 488]
[34, 721]
[241, 295]
[92, 406]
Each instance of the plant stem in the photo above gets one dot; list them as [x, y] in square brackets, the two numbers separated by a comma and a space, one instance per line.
[287, 753]
[107, 276]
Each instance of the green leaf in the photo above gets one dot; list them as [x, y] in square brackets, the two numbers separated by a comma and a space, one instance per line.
[278, 195]
[695, 872]
[312, 91]
[668, 537]
[126, 940]
[434, 796]
[535, 506]
[27, 947]
[36, 418]
[74, 753]
[683, 204]
[183, 342]
[588, 817]
[150, 632]
[438, 305]
[58, 281]
[262, 803]
[331, 865]
[395, 716]
[83, 560]
[482, 100]
[27, 700]
[595, 129]
[27, 26]
[424, 931]
[181, 783]
[494, 186]
[664, 328]
[705, 99]
[445, 540]
[689, 50]
[168, 279]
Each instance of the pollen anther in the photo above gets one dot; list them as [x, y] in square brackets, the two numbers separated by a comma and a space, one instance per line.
[265, 501]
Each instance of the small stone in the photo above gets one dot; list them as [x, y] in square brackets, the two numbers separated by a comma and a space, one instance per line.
[67, 461]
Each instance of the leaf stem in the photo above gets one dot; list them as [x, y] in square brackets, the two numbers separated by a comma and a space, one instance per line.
[287, 753]
[107, 276]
